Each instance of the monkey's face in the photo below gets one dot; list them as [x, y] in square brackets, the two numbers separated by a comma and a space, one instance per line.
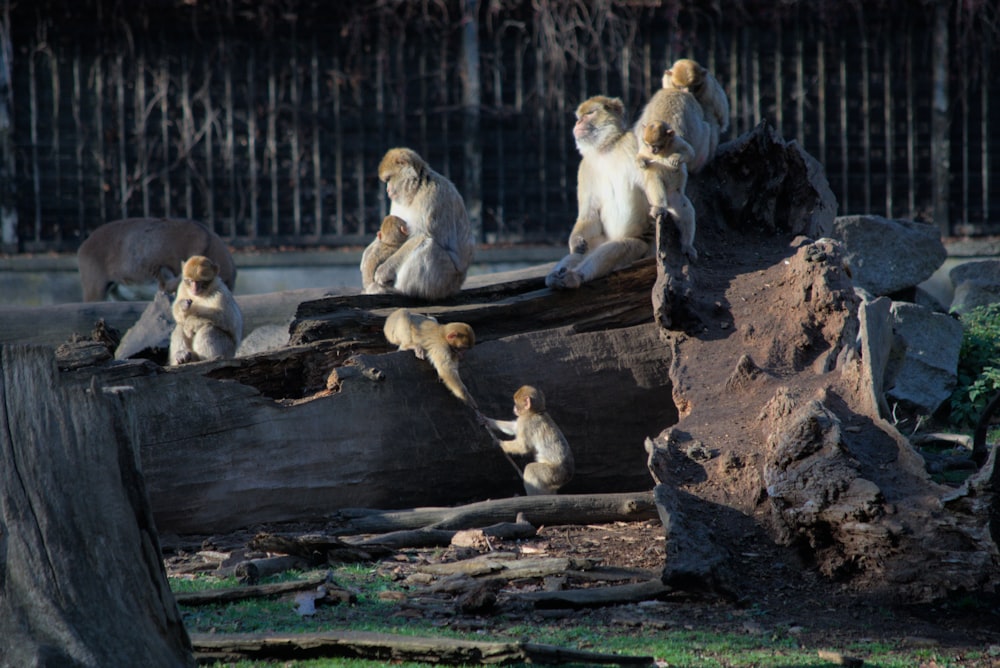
[199, 274]
[658, 137]
[460, 338]
[598, 120]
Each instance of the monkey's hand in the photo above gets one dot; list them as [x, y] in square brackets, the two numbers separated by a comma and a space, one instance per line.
[578, 245]
[186, 304]
[642, 162]
[658, 213]
[676, 160]
[385, 275]
[184, 357]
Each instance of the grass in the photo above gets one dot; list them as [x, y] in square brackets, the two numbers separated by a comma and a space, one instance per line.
[671, 646]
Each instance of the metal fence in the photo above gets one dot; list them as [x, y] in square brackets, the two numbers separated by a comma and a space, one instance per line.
[268, 119]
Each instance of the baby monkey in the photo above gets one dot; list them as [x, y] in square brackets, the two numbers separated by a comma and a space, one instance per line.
[391, 235]
[663, 157]
[209, 321]
[443, 345]
[535, 433]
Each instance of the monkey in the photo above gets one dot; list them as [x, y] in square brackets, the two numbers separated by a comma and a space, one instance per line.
[389, 238]
[209, 323]
[689, 75]
[612, 227]
[136, 251]
[680, 110]
[434, 260]
[663, 157]
[536, 433]
[442, 345]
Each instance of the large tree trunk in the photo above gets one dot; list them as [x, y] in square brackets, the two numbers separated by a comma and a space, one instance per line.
[81, 577]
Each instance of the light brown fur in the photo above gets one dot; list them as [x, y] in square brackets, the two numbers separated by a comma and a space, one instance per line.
[136, 251]
[442, 345]
[689, 75]
[663, 157]
[434, 261]
[536, 434]
[209, 323]
[612, 228]
[391, 236]
[680, 110]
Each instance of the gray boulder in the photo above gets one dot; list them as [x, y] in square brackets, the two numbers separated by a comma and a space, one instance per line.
[927, 376]
[887, 255]
[976, 283]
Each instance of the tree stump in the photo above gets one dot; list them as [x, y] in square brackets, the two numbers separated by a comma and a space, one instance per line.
[82, 582]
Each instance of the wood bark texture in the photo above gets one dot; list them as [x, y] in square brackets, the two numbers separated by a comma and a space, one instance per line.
[82, 581]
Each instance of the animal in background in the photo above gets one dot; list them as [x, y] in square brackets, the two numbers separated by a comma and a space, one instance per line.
[612, 228]
[433, 262]
[689, 75]
[138, 251]
[537, 435]
[663, 157]
[390, 237]
[442, 345]
[680, 110]
[209, 323]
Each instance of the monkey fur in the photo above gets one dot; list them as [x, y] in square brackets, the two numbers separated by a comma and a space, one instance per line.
[612, 229]
[209, 323]
[689, 75]
[390, 237]
[433, 262]
[679, 109]
[663, 157]
[536, 433]
[442, 345]
[137, 251]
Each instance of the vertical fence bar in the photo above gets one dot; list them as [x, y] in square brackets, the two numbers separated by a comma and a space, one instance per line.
[123, 137]
[36, 173]
[498, 213]
[141, 157]
[55, 150]
[102, 152]
[821, 93]
[845, 186]
[888, 113]
[187, 139]
[81, 221]
[252, 144]
[359, 158]
[338, 151]
[271, 149]
[542, 134]
[911, 150]
[800, 84]
[163, 90]
[294, 139]
[208, 107]
[779, 91]
[229, 147]
[317, 166]
[866, 121]
[984, 131]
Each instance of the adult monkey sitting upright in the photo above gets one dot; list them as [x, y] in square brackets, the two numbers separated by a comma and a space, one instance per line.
[434, 261]
[613, 227]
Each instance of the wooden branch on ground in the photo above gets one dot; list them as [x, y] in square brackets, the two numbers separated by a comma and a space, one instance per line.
[509, 569]
[538, 510]
[383, 647]
[594, 597]
[230, 594]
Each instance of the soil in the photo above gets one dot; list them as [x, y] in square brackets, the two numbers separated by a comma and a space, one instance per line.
[743, 301]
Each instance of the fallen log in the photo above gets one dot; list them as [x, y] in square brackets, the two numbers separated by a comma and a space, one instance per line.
[593, 597]
[385, 647]
[231, 594]
[538, 510]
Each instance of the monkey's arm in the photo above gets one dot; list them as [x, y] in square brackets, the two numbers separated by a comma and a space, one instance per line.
[508, 427]
[588, 232]
[447, 368]
[683, 152]
[385, 275]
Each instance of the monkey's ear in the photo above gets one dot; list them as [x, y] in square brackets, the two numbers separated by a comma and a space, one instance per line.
[527, 403]
[669, 132]
[404, 229]
[616, 106]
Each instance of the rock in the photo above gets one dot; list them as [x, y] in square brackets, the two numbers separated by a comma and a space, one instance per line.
[264, 339]
[975, 284]
[927, 376]
[152, 330]
[885, 255]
